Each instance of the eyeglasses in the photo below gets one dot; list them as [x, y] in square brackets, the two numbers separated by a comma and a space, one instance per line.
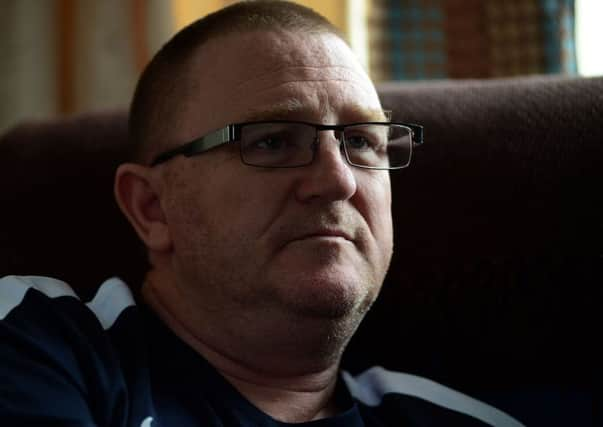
[291, 144]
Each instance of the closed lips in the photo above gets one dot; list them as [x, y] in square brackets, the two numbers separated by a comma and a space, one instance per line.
[325, 233]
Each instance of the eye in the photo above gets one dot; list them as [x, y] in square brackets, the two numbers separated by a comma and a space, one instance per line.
[277, 144]
[269, 143]
[358, 142]
[363, 141]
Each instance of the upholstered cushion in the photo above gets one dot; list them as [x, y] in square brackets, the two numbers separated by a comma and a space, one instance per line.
[498, 265]
[57, 212]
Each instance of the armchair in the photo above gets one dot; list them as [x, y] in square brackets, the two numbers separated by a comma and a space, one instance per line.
[495, 287]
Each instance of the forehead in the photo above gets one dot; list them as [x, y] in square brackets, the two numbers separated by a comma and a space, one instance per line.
[270, 74]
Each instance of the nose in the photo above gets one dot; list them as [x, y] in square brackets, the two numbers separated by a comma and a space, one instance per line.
[329, 177]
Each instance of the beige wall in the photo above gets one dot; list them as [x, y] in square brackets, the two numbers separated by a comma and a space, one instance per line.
[68, 56]
[186, 11]
[27, 61]
[334, 10]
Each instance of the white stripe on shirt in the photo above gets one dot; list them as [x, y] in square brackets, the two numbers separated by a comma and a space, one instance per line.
[14, 288]
[370, 386]
[110, 300]
[112, 297]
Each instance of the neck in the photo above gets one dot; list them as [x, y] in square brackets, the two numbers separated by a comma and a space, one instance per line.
[289, 386]
[304, 398]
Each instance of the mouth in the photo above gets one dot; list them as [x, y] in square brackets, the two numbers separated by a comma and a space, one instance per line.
[327, 235]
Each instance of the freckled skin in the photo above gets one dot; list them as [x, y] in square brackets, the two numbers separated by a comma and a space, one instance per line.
[239, 273]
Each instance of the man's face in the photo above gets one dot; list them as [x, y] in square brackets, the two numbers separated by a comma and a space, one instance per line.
[313, 241]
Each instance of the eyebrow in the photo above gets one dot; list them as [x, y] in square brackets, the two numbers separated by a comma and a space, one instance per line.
[293, 108]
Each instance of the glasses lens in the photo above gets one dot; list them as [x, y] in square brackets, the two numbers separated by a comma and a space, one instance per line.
[383, 146]
[277, 145]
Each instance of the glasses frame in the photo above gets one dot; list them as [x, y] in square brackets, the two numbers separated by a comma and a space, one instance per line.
[232, 133]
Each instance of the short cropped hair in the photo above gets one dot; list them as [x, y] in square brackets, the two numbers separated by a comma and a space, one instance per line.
[156, 95]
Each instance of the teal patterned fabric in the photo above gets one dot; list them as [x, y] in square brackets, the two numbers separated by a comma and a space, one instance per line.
[559, 36]
[437, 39]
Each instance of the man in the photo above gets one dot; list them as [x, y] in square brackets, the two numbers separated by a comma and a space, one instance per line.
[269, 233]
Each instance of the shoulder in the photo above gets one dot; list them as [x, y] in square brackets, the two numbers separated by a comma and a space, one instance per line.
[43, 318]
[56, 352]
[30, 293]
[14, 288]
[386, 391]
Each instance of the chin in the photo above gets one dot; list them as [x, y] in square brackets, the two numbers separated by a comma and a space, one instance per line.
[329, 298]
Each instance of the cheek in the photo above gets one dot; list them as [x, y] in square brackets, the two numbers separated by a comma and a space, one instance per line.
[225, 206]
[186, 221]
[376, 208]
[190, 193]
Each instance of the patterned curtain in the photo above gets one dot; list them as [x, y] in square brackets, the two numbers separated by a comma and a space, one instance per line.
[437, 39]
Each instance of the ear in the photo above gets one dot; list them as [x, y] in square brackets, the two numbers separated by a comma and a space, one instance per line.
[138, 199]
